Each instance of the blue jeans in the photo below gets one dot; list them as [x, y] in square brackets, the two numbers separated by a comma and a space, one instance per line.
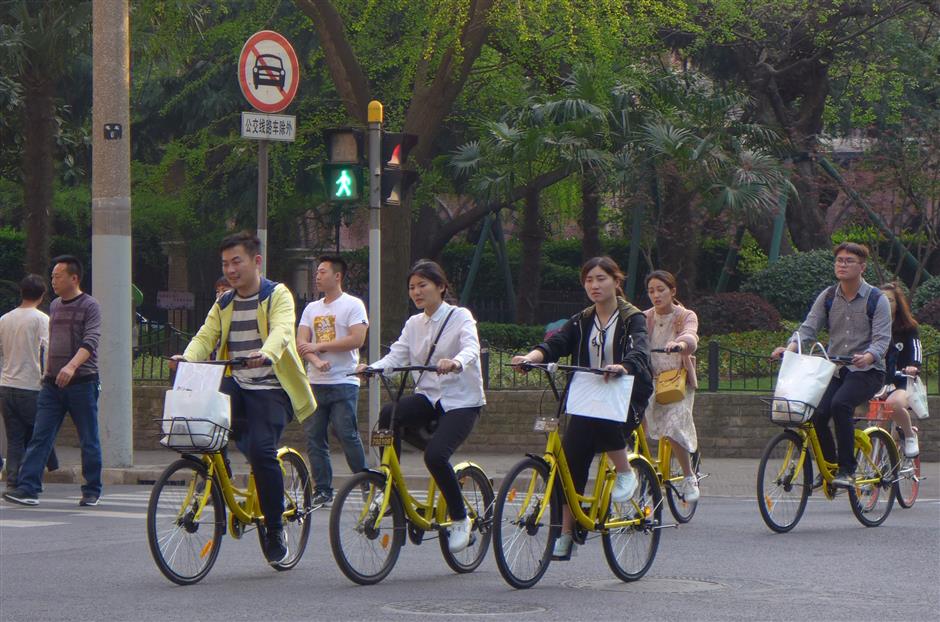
[81, 402]
[336, 405]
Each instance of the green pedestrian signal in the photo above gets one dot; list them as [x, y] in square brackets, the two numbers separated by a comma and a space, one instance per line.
[342, 171]
[344, 181]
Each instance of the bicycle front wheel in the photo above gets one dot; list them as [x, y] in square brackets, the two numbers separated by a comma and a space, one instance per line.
[782, 485]
[908, 483]
[185, 522]
[526, 522]
[297, 520]
[872, 502]
[630, 551]
[478, 497]
[681, 509]
[366, 545]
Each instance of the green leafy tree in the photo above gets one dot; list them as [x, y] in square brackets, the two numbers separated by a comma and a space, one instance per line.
[38, 41]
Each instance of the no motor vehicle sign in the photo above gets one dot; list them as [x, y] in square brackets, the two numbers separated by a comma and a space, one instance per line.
[268, 71]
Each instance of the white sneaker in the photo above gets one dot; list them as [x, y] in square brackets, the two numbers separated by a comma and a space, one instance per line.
[690, 489]
[911, 447]
[624, 486]
[564, 547]
[459, 536]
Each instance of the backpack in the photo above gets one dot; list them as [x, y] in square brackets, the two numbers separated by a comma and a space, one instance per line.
[871, 304]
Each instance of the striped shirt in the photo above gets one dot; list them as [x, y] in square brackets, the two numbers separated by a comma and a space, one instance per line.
[243, 339]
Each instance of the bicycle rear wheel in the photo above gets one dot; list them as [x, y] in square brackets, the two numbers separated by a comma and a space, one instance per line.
[871, 503]
[366, 545]
[525, 524]
[782, 489]
[185, 521]
[478, 497]
[297, 521]
[630, 551]
[681, 509]
[908, 483]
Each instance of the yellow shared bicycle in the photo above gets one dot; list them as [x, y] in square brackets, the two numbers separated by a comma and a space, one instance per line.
[785, 475]
[669, 473]
[527, 517]
[374, 510]
[186, 516]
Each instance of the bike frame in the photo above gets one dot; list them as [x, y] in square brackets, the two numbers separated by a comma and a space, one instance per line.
[807, 433]
[243, 503]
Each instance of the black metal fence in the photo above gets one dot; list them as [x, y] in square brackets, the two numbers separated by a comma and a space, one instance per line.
[724, 369]
[721, 369]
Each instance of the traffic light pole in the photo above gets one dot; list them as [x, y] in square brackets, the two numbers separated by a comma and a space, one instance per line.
[375, 255]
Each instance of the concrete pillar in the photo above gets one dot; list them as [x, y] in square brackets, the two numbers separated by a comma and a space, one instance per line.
[111, 224]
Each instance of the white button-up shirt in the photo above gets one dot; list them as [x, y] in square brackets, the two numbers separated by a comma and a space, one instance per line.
[459, 341]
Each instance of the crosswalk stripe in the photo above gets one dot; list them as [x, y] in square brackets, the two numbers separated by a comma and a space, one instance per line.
[10, 522]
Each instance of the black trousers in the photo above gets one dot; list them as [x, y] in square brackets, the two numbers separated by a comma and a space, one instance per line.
[846, 390]
[19, 416]
[258, 420]
[586, 436]
[453, 428]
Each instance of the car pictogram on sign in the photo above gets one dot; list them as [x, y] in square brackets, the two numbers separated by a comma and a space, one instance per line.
[268, 71]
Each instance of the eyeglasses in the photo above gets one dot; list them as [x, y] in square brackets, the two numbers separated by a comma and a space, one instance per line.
[846, 261]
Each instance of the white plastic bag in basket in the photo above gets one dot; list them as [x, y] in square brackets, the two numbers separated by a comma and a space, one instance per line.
[802, 380]
[917, 397]
[210, 408]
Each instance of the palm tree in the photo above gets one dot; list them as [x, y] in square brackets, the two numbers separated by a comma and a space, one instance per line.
[38, 40]
[706, 157]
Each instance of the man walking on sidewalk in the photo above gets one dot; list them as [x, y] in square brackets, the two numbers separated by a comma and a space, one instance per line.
[24, 338]
[70, 384]
[329, 336]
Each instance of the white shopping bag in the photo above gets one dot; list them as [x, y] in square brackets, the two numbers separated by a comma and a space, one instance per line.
[801, 383]
[590, 396]
[200, 419]
[917, 397]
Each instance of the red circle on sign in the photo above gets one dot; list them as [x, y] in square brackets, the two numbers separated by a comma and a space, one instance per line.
[267, 81]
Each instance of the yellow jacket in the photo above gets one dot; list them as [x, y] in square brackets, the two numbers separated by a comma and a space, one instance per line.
[277, 335]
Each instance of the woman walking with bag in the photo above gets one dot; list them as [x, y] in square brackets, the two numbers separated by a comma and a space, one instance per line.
[443, 336]
[673, 327]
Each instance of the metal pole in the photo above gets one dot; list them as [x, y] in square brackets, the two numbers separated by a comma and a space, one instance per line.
[263, 203]
[111, 225]
[375, 255]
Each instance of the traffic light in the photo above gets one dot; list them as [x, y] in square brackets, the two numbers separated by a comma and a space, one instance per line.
[345, 157]
[395, 181]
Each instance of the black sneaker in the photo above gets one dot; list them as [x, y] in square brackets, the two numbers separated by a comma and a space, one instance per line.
[88, 500]
[19, 496]
[844, 479]
[322, 498]
[276, 548]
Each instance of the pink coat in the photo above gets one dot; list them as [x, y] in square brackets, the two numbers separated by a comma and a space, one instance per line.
[686, 330]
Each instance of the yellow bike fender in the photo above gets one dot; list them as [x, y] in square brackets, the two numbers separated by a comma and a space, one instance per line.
[862, 441]
[468, 463]
[633, 456]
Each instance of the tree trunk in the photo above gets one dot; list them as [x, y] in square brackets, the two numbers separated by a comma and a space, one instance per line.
[590, 211]
[530, 271]
[38, 172]
[677, 233]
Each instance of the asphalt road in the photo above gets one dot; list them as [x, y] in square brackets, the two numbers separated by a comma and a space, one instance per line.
[62, 562]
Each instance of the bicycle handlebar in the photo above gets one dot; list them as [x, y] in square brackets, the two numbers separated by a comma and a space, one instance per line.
[550, 368]
[238, 361]
[671, 350]
[371, 371]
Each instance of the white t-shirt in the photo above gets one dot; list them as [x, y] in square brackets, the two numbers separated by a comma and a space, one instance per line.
[24, 334]
[329, 322]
